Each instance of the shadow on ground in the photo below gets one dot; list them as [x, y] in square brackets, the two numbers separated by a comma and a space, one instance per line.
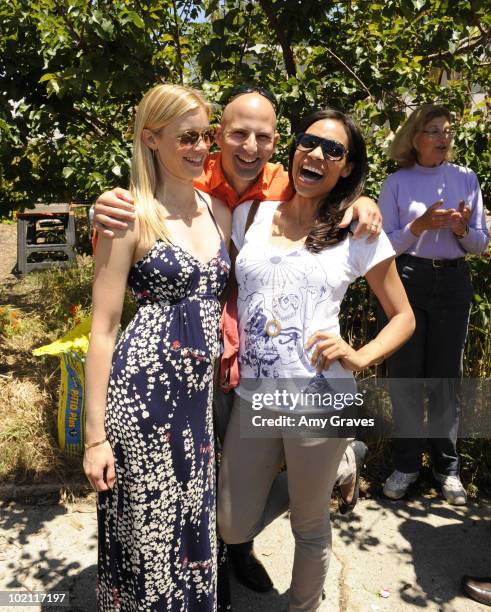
[432, 545]
[49, 548]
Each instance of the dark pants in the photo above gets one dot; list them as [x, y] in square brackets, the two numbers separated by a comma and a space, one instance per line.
[440, 298]
[222, 409]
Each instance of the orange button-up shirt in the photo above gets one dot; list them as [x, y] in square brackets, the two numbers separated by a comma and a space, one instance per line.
[272, 184]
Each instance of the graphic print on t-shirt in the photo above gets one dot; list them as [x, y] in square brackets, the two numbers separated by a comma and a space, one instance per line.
[305, 297]
[287, 286]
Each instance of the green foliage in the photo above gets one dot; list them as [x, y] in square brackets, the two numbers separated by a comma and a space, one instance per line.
[477, 362]
[72, 71]
[65, 296]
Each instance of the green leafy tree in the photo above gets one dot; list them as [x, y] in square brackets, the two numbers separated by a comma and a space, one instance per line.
[376, 59]
[72, 71]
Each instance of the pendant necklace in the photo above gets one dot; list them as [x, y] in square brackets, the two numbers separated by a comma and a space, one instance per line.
[187, 218]
[273, 325]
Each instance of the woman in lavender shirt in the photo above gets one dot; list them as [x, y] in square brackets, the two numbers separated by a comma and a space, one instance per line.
[433, 215]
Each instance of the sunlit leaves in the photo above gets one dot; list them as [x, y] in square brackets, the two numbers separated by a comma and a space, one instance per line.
[75, 70]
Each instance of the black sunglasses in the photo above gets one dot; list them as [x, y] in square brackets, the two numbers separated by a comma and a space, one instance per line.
[240, 90]
[331, 149]
[191, 137]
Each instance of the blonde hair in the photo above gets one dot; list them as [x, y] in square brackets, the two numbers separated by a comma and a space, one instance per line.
[157, 108]
[402, 149]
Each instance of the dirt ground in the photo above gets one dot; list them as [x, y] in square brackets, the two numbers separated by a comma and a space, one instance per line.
[8, 249]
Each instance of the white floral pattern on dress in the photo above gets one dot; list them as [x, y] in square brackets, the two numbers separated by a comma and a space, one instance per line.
[157, 528]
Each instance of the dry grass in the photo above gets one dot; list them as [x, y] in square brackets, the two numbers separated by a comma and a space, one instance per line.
[29, 385]
[36, 310]
[28, 405]
[26, 446]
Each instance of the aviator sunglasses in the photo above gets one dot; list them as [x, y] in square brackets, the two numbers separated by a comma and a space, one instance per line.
[190, 137]
[331, 149]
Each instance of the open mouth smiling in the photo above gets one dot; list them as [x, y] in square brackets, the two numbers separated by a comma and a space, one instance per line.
[247, 161]
[195, 161]
[310, 173]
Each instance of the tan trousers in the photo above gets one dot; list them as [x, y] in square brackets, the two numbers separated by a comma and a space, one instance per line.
[222, 409]
[251, 493]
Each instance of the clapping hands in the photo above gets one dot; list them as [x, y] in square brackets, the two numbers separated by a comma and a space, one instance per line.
[459, 219]
[434, 218]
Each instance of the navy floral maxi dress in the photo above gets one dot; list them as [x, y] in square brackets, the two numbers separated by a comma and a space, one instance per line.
[157, 527]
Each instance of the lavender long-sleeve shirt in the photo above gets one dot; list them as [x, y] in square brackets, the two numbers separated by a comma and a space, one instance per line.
[408, 193]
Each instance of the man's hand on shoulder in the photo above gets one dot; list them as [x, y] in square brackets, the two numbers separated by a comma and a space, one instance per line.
[369, 218]
[113, 210]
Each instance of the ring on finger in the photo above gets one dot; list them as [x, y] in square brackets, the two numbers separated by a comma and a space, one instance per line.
[374, 227]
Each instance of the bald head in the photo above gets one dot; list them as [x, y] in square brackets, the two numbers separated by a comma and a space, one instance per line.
[247, 137]
[250, 104]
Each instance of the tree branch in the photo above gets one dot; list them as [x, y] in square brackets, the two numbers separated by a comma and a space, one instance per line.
[282, 37]
[62, 12]
[154, 33]
[475, 18]
[348, 69]
[468, 47]
[245, 43]
[89, 121]
[178, 42]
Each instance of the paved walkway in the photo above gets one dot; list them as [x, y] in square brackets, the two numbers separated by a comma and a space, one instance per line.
[415, 550]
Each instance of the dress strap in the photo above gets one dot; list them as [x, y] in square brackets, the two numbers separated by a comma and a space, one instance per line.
[211, 214]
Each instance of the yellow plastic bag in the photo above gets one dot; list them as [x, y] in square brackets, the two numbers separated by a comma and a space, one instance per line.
[71, 349]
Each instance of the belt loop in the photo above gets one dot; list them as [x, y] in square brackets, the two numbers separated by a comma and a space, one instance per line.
[403, 258]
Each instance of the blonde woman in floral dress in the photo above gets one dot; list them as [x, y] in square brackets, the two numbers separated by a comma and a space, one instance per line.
[149, 450]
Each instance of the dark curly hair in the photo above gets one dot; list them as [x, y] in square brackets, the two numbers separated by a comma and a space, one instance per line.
[331, 209]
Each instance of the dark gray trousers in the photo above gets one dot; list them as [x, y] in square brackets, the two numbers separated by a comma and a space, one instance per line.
[440, 298]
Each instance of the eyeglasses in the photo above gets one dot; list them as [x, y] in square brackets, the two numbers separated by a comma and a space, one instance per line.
[331, 149]
[436, 133]
[191, 137]
[240, 90]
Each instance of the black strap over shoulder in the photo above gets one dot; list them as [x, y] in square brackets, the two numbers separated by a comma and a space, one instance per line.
[251, 215]
[233, 249]
[211, 214]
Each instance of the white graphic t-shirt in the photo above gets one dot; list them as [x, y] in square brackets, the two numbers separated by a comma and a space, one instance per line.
[302, 290]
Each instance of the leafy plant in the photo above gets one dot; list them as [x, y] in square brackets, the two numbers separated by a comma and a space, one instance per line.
[10, 323]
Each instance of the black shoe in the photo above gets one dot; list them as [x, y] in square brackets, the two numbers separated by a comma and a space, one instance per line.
[360, 450]
[478, 589]
[248, 570]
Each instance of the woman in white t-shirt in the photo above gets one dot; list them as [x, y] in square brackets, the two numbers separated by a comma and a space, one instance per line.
[293, 268]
